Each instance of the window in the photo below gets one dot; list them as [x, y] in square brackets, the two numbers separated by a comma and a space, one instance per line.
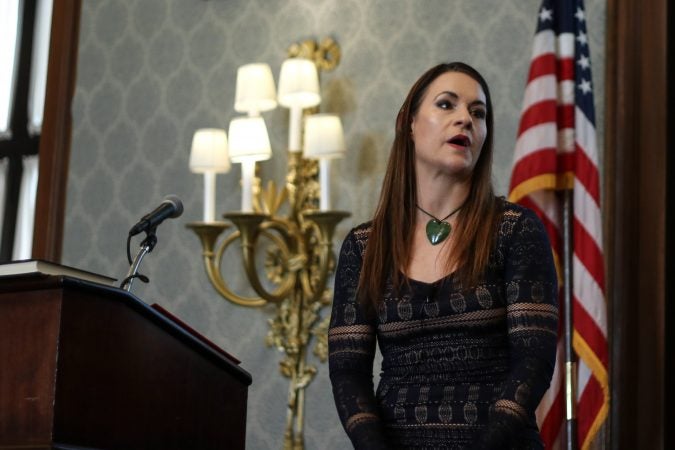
[24, 48]
[9, 21]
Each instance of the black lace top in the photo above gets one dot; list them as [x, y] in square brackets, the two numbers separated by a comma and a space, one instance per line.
[461, 368]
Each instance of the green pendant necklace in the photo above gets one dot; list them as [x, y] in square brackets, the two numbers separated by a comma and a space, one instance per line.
[438, 229]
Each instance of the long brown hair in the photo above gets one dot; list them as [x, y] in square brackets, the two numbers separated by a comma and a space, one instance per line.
[390, 240]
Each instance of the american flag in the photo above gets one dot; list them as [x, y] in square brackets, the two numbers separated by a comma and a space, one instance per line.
[555, 150]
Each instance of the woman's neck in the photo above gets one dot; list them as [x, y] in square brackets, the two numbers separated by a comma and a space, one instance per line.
[441, 195]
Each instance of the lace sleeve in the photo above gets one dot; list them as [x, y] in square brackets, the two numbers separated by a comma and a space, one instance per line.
[351, 349]
[532, 319]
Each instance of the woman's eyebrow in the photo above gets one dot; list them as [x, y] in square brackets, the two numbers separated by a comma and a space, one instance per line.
[454, 96]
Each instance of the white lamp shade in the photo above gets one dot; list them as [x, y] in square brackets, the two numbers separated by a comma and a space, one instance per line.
[209, 151]
[324, 137]
[255, 89]
[249, 140]
[299, 84]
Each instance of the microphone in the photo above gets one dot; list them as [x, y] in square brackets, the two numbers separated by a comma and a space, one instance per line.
[170, 208]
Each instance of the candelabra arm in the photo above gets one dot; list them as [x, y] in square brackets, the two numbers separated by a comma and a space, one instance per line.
[250, 226]
[208, 234]
[325, 221]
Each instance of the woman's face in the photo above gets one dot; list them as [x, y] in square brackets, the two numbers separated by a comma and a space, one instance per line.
[449, 128]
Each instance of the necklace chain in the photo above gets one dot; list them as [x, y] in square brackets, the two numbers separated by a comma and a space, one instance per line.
[436, 218]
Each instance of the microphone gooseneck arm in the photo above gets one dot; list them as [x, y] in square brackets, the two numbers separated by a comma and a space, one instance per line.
[146, 247]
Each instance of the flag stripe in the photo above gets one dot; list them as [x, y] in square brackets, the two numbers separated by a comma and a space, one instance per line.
[540, 89]
[585, 288]
[544, 136]
[588, 252]
[586, 326]
[587, 175]
[593, 397]
[543, 112]
[588, 213]
[565, 117]
[544, 160]
[550, 427]
[543, 65]
[544, 43]
[565, 69]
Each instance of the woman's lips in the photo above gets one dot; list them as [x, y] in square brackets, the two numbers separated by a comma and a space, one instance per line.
[460, 141]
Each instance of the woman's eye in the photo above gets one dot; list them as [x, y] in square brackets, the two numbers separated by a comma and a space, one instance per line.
[444, 104]
[479, 113]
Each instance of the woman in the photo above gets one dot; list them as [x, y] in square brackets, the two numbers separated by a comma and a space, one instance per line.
[457, 286]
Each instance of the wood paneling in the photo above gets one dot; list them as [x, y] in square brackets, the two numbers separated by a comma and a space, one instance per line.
[635, 218]
[670, 237]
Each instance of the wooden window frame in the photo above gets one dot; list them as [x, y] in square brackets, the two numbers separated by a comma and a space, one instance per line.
[56, 131]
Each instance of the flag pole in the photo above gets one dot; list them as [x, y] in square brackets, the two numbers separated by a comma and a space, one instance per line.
[570, 360]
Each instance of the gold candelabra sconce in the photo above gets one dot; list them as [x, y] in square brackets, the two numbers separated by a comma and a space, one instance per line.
[297, 245]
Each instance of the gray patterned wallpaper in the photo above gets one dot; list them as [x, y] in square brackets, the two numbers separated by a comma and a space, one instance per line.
[150, 72]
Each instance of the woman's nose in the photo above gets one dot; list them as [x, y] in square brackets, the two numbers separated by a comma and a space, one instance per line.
[464, 118]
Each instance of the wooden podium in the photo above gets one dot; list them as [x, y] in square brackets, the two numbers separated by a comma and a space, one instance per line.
[85, 366]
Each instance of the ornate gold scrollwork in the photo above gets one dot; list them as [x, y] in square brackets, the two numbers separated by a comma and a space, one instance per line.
[326, 55]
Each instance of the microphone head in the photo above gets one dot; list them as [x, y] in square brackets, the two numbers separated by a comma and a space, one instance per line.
[177, 205]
